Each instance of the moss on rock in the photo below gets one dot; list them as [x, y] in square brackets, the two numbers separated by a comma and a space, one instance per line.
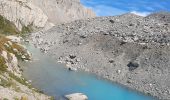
[7, 27]
[3, 67]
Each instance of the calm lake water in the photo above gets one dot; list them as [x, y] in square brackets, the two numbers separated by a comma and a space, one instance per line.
[51, 77]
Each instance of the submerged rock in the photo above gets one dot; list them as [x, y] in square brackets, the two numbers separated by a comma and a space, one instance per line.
[72, 69]
[76, 96]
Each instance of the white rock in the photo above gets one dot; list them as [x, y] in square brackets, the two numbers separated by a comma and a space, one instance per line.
[76, 96]
[14, 39]
[150, 84]
[72, 68]
[118, 71]
[14, 60]
[29, 81]
[4, 54]
[23, 57]
[6, 45]
[9, 42]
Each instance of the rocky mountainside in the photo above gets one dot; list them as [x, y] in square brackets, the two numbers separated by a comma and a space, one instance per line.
[22, 13]
[60, 11]
[24, 16]
[12, 84]
[42, 13]
[127, 49]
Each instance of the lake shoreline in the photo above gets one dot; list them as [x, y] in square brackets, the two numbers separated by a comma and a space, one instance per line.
[97, 75]
[38, 84]
[126, 49]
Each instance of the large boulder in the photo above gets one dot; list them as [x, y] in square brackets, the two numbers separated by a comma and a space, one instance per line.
[76, 96]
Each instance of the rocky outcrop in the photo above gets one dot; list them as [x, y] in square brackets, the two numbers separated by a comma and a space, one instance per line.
[22, 13]
[12, 84]
[11, 51]
[76, 96]
[42, 13]
[14, 39]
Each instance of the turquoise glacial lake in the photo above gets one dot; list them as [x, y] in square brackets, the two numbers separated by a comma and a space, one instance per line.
[55, 80]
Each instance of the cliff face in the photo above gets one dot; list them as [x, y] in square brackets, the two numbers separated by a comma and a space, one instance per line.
[59, 11]
[42, 13]
[22, 13]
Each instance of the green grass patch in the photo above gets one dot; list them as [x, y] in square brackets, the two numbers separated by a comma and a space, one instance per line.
[6, 83]
[27, 29]
[3, 67]
[9, 28]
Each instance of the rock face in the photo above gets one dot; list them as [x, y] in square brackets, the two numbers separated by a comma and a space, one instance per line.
[22, 13]
[128, 49]
[42, 13]
[10, 49]
[76, 96]
[59, 11]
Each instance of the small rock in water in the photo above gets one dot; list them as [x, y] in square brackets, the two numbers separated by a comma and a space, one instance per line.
[72, 69]
[76, 96]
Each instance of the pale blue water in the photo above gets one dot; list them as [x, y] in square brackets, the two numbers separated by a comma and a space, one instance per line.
[57, 81]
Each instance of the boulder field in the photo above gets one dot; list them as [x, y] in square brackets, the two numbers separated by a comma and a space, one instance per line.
[128, 49]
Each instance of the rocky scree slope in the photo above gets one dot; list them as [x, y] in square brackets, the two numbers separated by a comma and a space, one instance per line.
[39, 14]
[128, 49]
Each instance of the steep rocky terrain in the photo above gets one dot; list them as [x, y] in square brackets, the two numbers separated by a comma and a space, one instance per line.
[60, 11]
[22, 13]
[127, 49]
[42, 13]
[12, 84]
[24, 16]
